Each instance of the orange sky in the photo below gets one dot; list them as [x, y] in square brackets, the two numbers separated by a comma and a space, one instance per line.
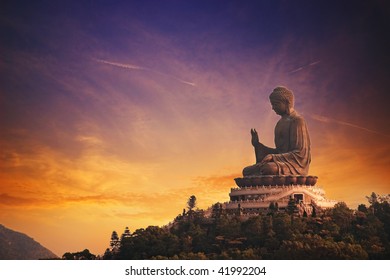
[103, 129]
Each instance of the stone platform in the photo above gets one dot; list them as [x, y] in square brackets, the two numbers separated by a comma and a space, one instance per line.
[255, 194]
[276, 180]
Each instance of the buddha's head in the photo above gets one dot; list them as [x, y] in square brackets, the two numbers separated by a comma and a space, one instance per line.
[282, 100]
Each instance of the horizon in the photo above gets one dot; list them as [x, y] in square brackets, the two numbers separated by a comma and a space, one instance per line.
[113, 114]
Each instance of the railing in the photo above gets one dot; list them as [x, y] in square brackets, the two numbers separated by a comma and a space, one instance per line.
[314, 189]
[255, 203]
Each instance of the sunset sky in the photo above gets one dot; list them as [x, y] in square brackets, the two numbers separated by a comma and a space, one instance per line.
[113, 113]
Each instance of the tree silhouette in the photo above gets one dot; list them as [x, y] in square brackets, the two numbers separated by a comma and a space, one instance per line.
[82, 255]
[292, 206]
[191, 203]
[115, 242]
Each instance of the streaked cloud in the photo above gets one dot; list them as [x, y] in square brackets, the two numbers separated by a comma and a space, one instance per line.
[126, 66]
[92, 140]
[330, 120]
[304, 66]
[135, 67]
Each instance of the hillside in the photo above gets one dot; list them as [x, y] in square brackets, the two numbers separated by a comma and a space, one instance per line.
[18, 246]
[329, 234]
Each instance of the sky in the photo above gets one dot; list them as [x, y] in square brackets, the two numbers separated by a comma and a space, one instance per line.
[113, 113]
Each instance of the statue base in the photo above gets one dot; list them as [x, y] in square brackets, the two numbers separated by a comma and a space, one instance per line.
[256, 194]
[276, 180]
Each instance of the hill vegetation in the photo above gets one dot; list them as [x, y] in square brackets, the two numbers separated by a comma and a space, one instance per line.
[337, 233]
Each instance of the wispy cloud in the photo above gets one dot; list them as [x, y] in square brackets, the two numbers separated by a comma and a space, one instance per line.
[330, 120]
[217, 181]
[126, 66]
[136, 67]
[304, 66]
[59, 200]
[90, 140]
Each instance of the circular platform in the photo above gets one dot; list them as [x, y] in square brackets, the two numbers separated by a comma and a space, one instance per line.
[276, 180]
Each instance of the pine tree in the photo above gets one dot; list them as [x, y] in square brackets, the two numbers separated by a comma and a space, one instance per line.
[191, 203]
[126, 233]
[292, 206]
[115, 242]
[314, 212]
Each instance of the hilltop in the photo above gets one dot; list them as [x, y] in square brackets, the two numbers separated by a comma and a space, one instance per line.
[335, 233]
[18, 246]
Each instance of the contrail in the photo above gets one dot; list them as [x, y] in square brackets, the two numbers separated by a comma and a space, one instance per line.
[329, 120]
[173, 77]
[136, 67]
[304, 66]
[180, 80]
[127, 66]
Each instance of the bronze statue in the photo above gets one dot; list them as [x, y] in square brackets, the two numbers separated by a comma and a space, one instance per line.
[292, 153]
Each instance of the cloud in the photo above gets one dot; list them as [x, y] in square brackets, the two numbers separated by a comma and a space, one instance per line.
[216, 182]
[135, 67]
[56, 201]
[330, 120]
[304, 66]
[121, 65]
[47, 199]
[17, 201]
[90, 140]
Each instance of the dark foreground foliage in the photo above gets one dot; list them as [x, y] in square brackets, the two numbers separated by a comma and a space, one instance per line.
[82, 255]
[338, 233]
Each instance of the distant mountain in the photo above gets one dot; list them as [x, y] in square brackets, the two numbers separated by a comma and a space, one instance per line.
[18, 246]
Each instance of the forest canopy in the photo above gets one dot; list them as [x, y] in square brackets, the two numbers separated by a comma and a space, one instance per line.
[336, 233]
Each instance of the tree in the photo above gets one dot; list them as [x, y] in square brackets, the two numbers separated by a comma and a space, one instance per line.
[115, 242]
[271, 208]
[314, 247]
[191, 203]
[82, 255]
[384, 198]
[372, 199]
[292, 206]
[216, 210]
[252, 229]
[126, 233]
[281, 224]
[126, 244]
[314, 212]
[108, 254]
[85, 255]
[230, 227]
[342, 216]
[68, 256]
[362, 208]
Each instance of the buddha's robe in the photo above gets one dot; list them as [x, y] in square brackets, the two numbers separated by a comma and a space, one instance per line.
[292, 153]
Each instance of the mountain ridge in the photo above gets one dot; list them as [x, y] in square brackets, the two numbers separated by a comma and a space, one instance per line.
[19, 246]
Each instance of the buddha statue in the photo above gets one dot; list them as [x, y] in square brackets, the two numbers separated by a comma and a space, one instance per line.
[291, 155]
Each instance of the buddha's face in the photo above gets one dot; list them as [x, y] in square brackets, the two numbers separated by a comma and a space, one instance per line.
[280, 107]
